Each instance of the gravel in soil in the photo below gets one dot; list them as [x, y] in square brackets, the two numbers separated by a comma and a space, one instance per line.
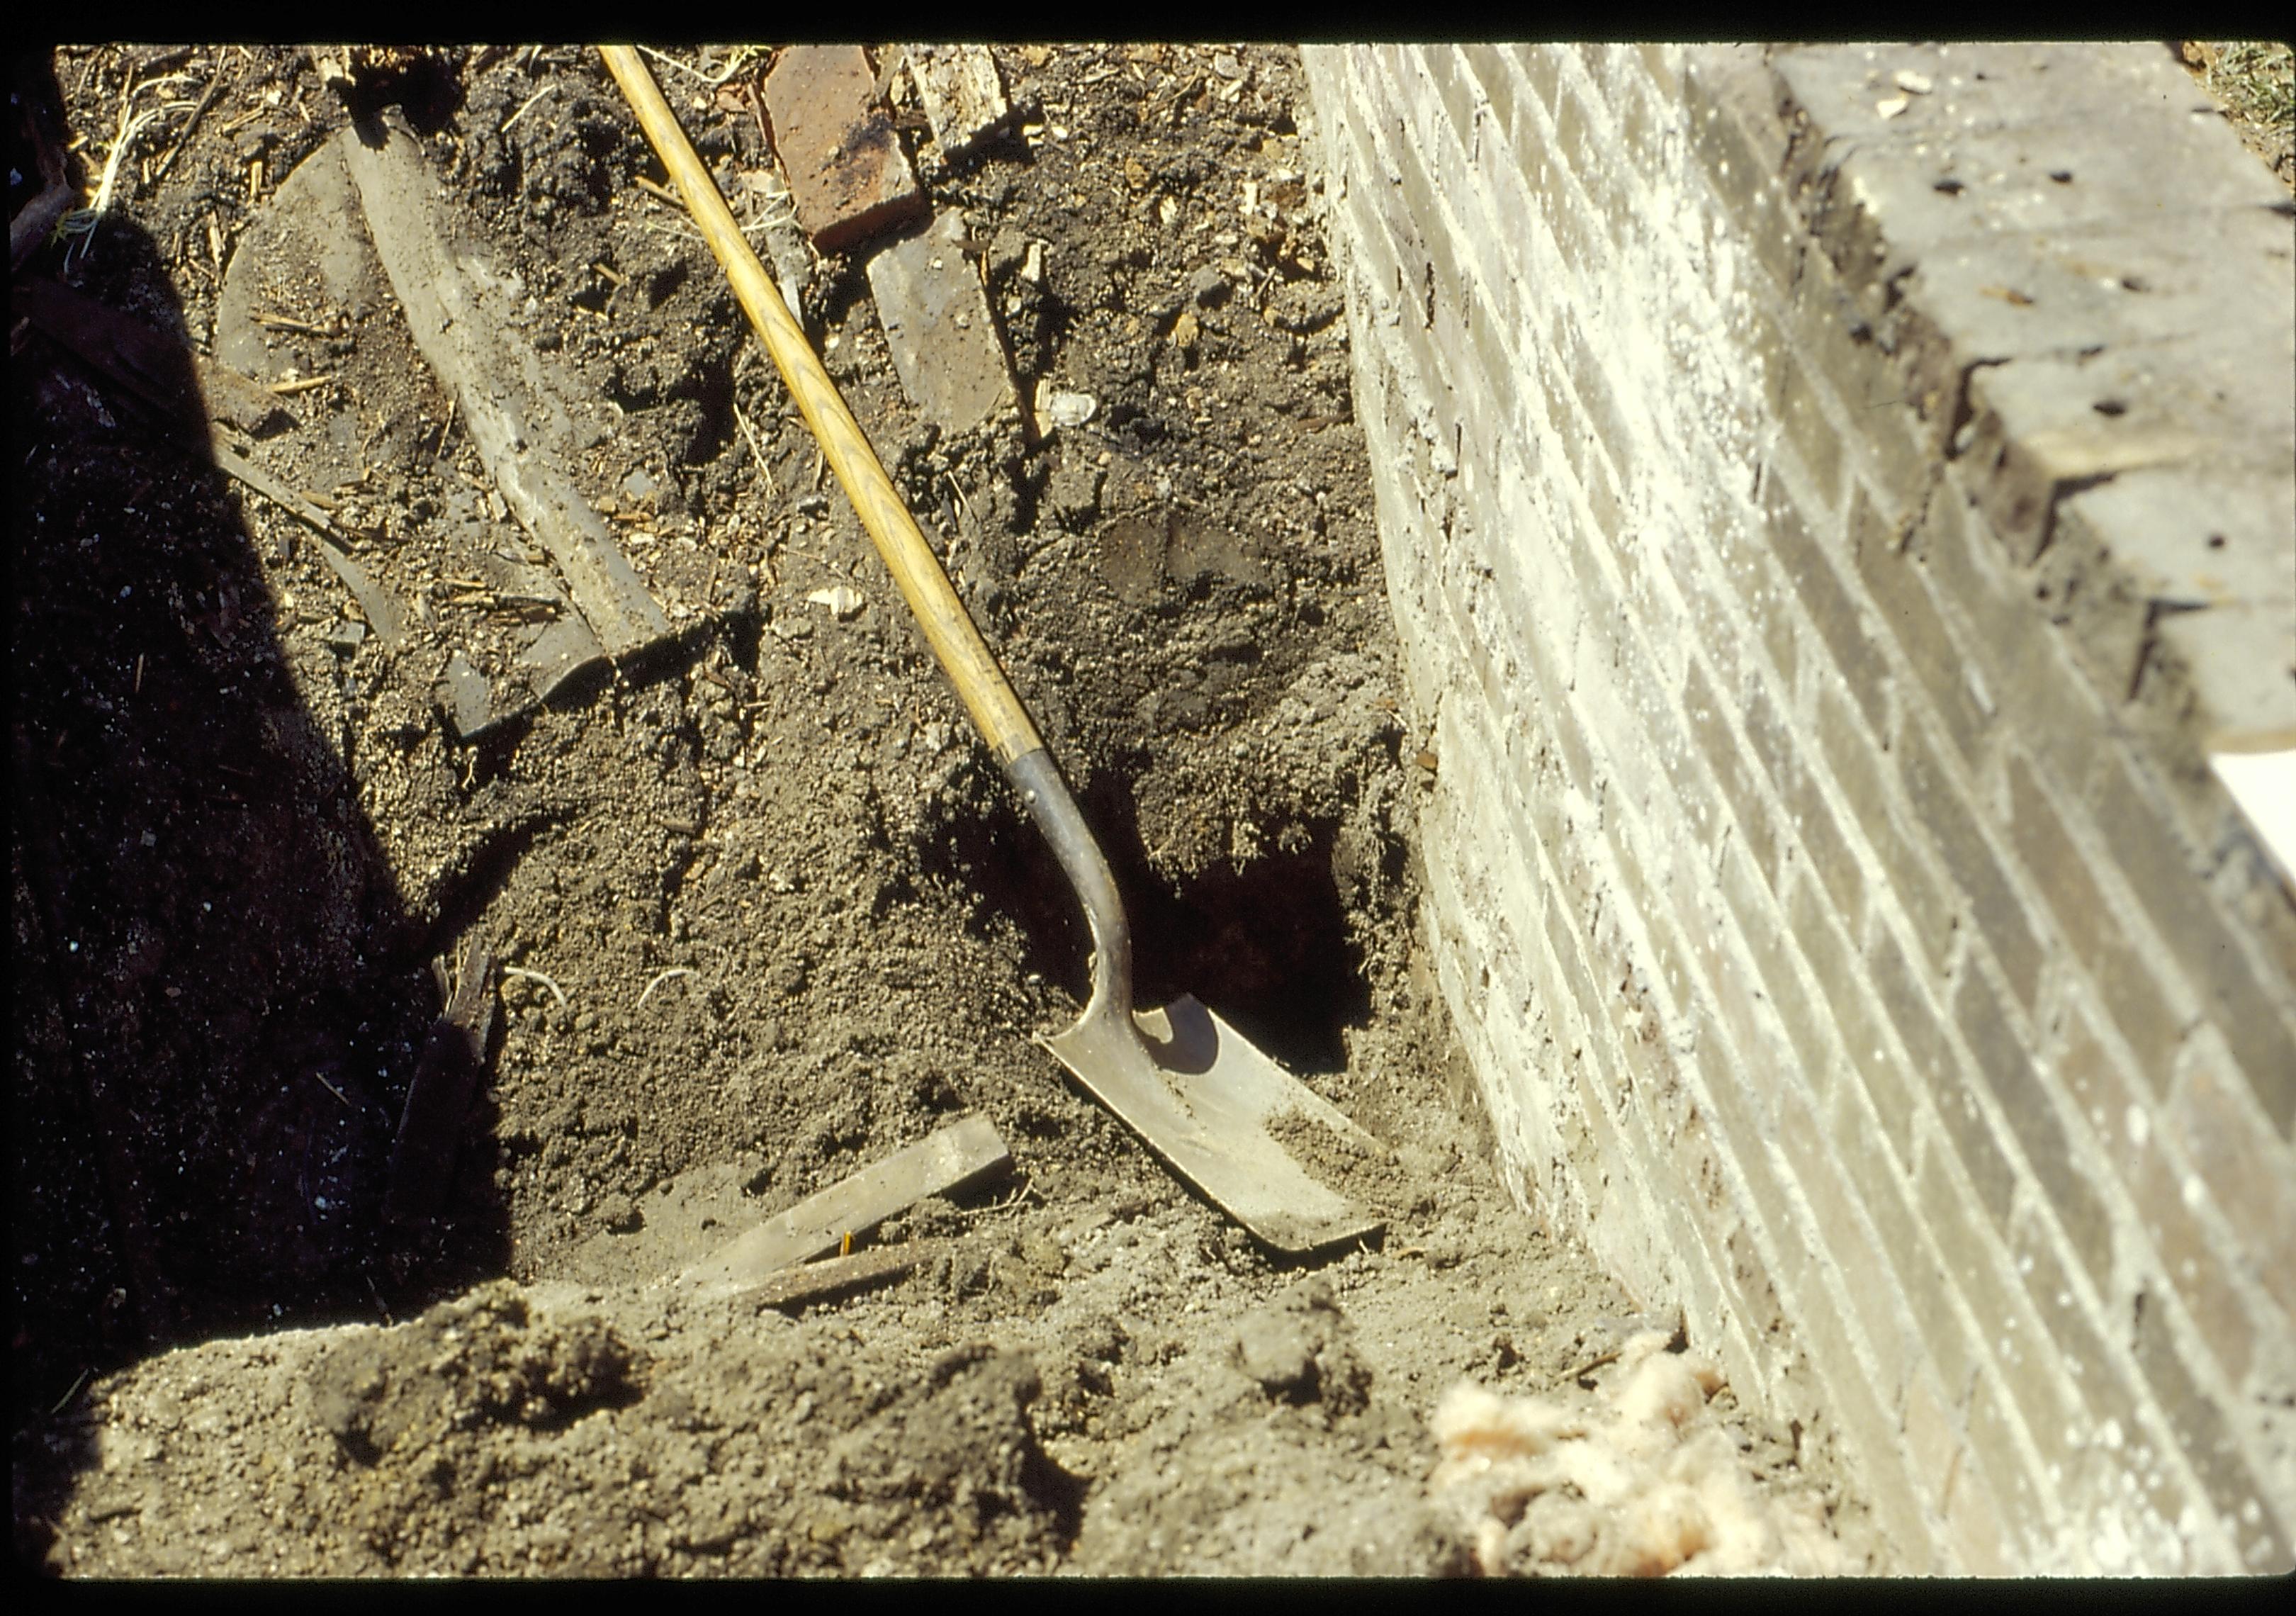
[764, 909]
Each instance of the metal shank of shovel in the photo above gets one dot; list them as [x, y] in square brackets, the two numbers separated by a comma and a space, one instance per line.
[1037, 778]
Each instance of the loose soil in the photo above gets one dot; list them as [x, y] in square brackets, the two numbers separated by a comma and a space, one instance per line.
[768, 911]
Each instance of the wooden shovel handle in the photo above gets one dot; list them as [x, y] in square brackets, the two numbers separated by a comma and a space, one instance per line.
[965, 656]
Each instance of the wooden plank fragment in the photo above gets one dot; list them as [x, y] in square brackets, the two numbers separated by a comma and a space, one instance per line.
[462, 316]
[964, 100]
[438, 1099]
[966, 1151]
[835, 1276]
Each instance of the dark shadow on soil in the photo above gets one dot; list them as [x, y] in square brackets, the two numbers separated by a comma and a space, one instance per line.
[1266, 945]
[219, 997]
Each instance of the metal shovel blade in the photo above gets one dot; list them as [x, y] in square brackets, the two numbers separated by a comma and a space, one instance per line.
[1201, 1097]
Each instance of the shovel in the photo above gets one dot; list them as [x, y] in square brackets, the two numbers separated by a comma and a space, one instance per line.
[1181, 1078]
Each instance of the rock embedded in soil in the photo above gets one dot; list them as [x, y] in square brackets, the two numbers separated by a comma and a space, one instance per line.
[938, 326]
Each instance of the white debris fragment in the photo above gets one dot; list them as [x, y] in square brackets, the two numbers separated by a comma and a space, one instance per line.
[1640, 1484]
[841, 600]
[1911, 82]
[1068, 409]
[1891, 106]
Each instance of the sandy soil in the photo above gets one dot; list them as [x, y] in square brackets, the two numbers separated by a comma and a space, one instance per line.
[794, 914]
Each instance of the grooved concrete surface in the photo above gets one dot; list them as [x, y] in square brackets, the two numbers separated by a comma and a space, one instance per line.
[1835, 500]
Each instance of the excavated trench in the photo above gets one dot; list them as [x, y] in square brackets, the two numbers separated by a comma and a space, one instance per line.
[762, 914]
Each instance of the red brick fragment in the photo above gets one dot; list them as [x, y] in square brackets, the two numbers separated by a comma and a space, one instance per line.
[848, 175]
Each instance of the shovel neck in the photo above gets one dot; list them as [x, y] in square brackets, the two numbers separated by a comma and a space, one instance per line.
[1037, 778]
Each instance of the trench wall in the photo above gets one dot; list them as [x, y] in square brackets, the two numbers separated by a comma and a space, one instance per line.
[1837, 503]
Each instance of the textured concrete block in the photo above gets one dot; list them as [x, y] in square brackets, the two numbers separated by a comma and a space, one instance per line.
[1734, 771]
[2112, 1473]
[2012, 1072]
[2036, 831]
[1975, 1144]
[1973, 1525]
[2127, 974]
[1581, 250]
[2170, 1199]
[1945, 1344]
[1807, 1017]
[1932, 1434]
[1744, 1133]
[1858, 1020]
[2148, 854]
[1857, 1266]
[1995, 1454]
[1741, 147]
[1809, 568]
[2025, 1373]
[1457, 95]
[2250, 1174]
[1827, 851]
[1992, 895]
[1437, 278]
[1643, 120]
[1499, 70]
[1862, 776]
[1801, 406]
[1901, 595]
[2118, 1111]
[1859, 1409]
[2044, 698]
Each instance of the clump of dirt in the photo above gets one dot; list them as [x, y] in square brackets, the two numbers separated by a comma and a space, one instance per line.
[765, 911]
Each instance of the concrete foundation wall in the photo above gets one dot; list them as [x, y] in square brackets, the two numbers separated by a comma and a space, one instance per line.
[1836, 502]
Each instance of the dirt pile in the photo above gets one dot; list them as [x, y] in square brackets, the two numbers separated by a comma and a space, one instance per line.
[515, 1432]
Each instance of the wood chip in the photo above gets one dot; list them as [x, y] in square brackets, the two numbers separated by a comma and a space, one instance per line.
[964, 100]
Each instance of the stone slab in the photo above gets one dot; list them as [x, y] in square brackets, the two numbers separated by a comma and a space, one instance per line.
[944, 340]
